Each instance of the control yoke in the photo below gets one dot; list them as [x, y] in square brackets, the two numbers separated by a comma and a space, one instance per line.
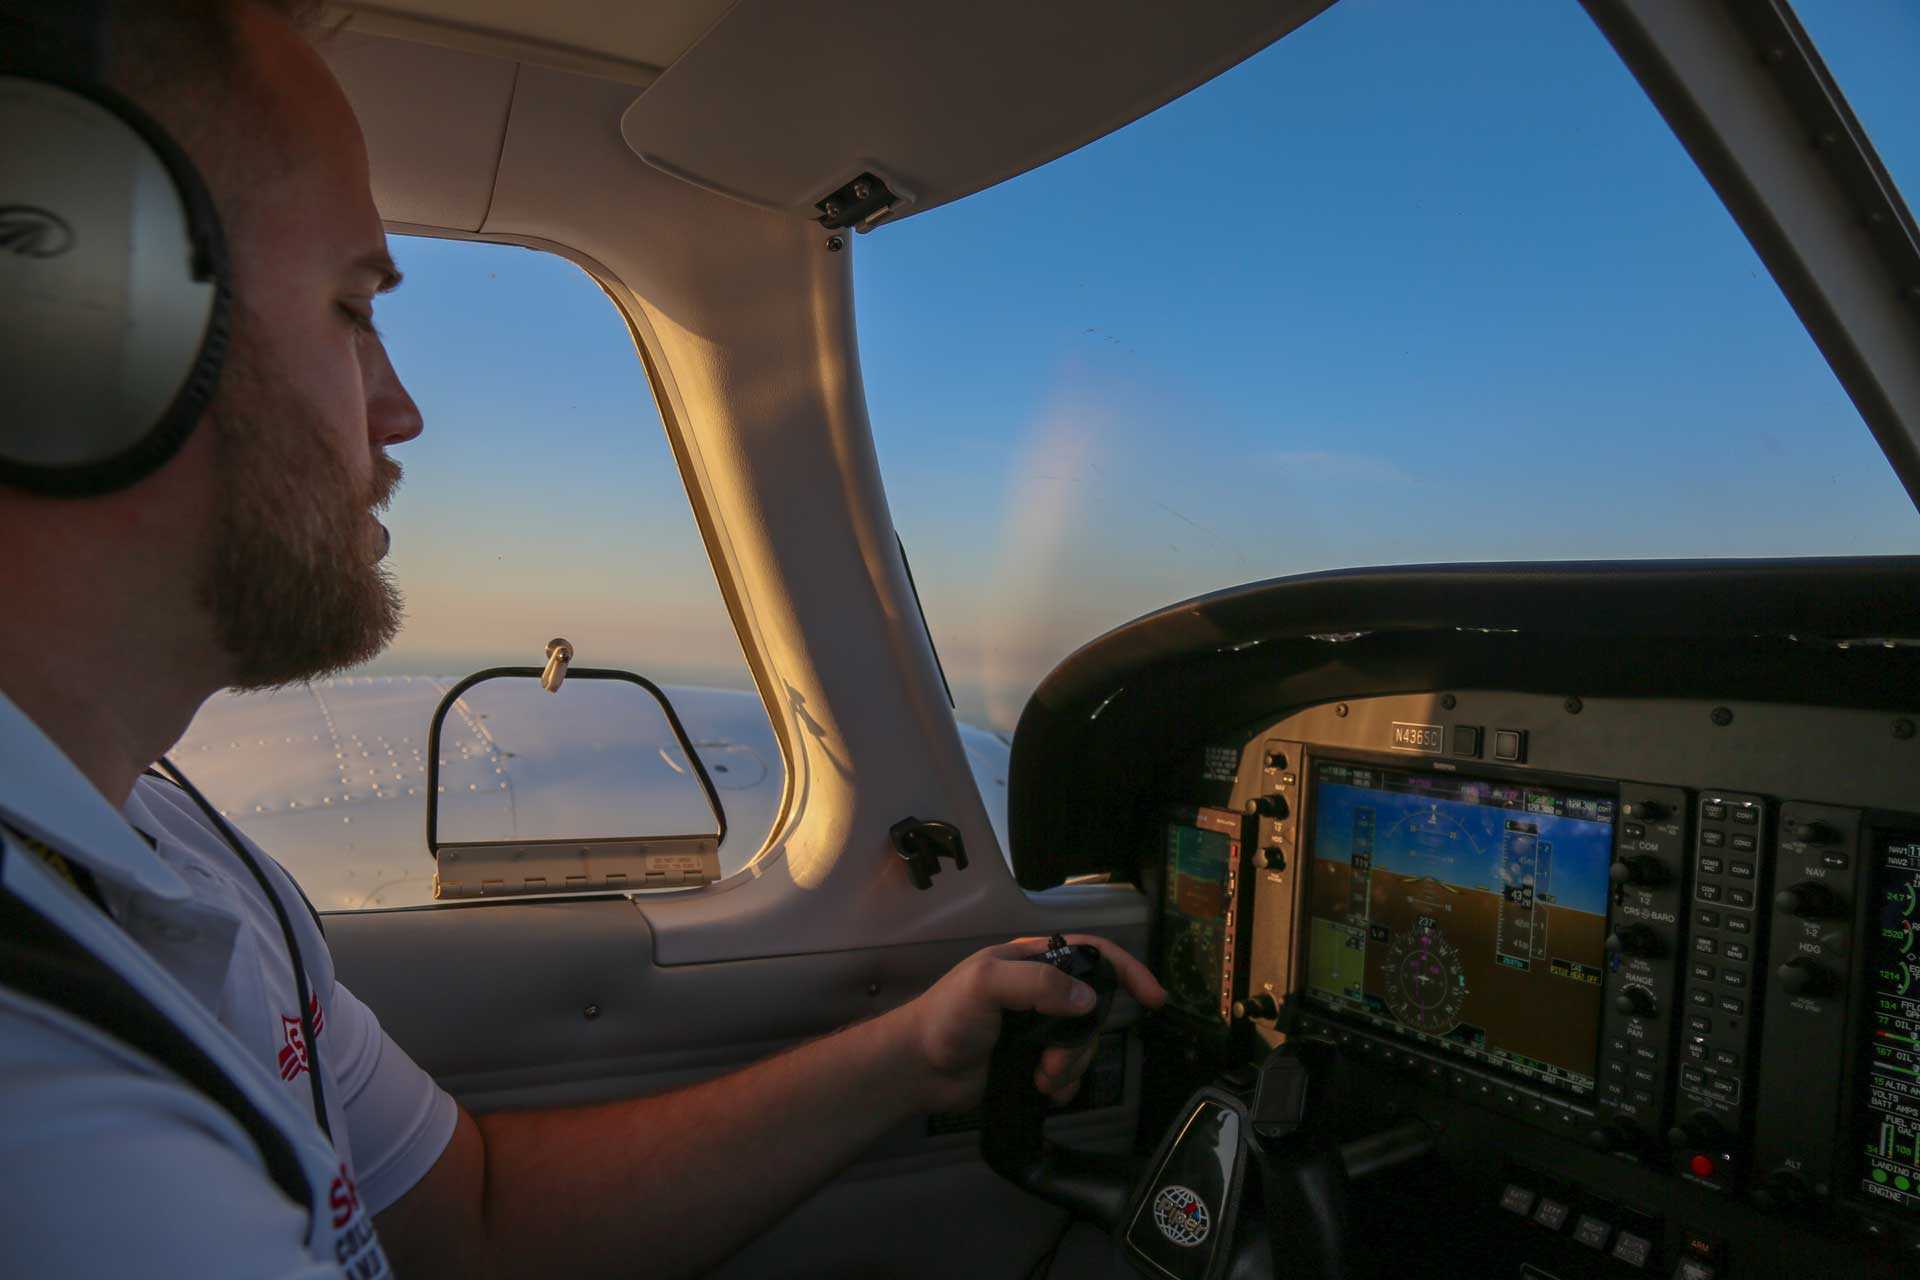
[1191, 1210]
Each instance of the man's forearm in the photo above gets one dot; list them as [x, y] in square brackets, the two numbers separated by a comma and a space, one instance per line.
[669, 1185]
[672, 1184]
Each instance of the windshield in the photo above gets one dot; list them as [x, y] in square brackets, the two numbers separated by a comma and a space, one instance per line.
[1419, 283]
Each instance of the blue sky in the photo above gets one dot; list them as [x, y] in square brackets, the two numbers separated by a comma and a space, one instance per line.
[1421, 282]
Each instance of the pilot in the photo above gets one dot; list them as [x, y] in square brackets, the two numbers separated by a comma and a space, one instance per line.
[172, 1125]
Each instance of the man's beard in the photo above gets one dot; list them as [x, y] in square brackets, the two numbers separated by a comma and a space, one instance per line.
[291, 579]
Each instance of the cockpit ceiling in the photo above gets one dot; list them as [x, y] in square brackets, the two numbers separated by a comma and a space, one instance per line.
[780, 102]
[786, 100]
[625, 39]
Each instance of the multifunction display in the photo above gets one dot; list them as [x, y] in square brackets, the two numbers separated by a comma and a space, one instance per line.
[1196, 930]
[1465, 912]
[1889, 1105]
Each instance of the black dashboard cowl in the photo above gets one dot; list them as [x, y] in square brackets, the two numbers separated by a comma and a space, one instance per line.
[1097, 736]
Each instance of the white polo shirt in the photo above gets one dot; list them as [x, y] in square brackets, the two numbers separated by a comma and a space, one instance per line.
[110, 1165]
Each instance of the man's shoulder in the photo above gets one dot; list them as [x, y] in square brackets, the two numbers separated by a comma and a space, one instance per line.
[163, 809]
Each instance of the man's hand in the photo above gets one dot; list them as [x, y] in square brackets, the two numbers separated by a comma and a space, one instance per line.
[951, 1029]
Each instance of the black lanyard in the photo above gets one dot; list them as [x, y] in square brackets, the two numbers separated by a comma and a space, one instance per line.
[301, 991]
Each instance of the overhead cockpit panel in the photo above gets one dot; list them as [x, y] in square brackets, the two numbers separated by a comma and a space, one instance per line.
[784, 102]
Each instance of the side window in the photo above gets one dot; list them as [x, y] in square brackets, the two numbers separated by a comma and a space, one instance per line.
[541, 501]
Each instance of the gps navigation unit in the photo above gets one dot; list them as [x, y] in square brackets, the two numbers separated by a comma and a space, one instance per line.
[1463, 912]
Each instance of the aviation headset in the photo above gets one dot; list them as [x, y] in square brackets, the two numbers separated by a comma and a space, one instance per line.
[115, 301]
[114, 286]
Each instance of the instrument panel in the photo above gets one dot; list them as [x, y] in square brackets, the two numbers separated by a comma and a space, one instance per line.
[1668, 950]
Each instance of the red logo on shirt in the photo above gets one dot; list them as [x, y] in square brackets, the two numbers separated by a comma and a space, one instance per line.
[344, 1198]
[293, 1054]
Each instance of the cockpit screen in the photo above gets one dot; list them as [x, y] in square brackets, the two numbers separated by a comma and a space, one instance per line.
[1464, 912]
[1195, 945]
[1888, 1110]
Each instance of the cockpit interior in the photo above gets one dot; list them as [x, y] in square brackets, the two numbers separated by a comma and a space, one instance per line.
[1529, 920]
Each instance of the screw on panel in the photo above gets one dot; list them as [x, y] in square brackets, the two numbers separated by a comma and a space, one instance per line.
[1903, 729]
[1448, 702]
[835, 244]
[1341, 710]
[873, 988]
[1575, 706]
[591, 1012]
[1723, 716]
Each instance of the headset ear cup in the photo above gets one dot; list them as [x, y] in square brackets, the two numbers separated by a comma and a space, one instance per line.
[166, 341]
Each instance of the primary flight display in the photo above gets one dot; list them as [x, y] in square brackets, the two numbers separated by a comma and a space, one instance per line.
[1466, 912]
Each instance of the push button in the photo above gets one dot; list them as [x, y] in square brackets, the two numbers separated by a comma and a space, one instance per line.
[1517, 1199]
[1466, 740]
[1739, 924]
[1713, 812]
[1551, 1214]
[1713, 839]
[1591, 1231]
[1510, 744]
[1707, 892]
[1736, 951]
[1711, 866]
[1634, 1250]
[1747, 816]
[1744, 843]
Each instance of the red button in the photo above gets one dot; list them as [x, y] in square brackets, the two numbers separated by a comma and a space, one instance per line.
[1702, 1166]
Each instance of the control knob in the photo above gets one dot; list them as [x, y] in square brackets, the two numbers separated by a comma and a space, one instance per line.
[1275, 857]
[1276, 759]
[1810, 831]
[1635, 940]
[1274, 807]
[1635, 1001]
[1804, 977]
[1699, 1131]
[1257, 1005]
[1639, 869]
[1808, 900]
[1783, 1192]
[1648, 810]
[1617, 1134]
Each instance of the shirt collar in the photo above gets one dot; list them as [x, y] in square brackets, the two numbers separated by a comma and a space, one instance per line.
[45, 796]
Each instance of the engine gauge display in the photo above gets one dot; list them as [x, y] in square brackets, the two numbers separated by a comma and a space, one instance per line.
[1887, 1106]
[1196, 935]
